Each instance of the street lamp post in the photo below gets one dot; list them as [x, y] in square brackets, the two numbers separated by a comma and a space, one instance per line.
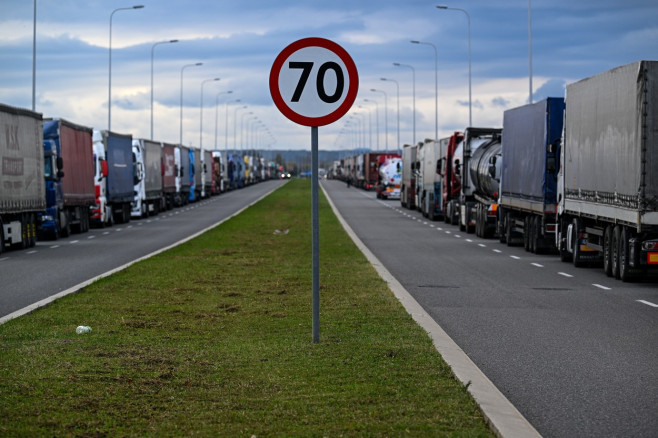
[217, 111]
[374, 90]
[530, 50]
[436, 87]
[226, 123]
[413, 92]
[109, 88]
[152, 52]
[397, 85]
[235, 124]
[376, 118]
[369, 126]
[468, 16]
[201, 112]
[180, 140]
[34, 57]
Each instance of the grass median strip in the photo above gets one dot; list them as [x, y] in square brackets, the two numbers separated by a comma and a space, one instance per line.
[213, 338]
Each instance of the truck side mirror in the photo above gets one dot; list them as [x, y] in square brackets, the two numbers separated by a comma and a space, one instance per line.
[104, 170]
[439, 166]
[458, 167]
[59, 163]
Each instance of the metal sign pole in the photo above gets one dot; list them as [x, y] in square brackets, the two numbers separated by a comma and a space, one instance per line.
[316, 235]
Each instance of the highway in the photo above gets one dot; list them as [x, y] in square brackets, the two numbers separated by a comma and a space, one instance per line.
[50, 267]
[575, 351]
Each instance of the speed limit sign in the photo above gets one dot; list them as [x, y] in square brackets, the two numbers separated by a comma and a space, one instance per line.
[314, 82]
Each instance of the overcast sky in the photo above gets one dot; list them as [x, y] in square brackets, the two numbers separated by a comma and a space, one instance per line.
[238, 41]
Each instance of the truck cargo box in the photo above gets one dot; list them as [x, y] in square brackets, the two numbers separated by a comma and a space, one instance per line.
[152, 169]
[168, 169]
[21, 150]
[610, 154]
[76, 151]
[531, 138]
[120, 178]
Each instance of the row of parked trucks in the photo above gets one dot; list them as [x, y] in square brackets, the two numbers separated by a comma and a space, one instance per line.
[380, 171]
[58, 177]
[576, 176]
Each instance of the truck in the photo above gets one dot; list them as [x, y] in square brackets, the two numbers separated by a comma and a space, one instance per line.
[148, 196]
[408, 187]
[608, 178]
[371, 163]
[169, 171]
[480, 148]
[531, 142]
[114, 178]
[22, 192]
[390, 175]
[182, 160]
[207, 176]
[429, 180]
[449, 166]
[196, 170]
[69, 178]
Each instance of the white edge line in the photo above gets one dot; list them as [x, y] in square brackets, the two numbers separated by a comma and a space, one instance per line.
[600, 286]
[34, 306]
[648, 303]
[501, 415]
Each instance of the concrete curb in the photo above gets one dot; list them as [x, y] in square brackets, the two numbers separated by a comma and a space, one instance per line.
[504, 419]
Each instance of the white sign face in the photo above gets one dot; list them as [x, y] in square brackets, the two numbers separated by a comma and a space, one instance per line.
[313, 82]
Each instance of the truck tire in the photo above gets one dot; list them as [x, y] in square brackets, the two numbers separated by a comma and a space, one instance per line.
[624, 256]
[526, 233]
[607, 251]
[508, 230]
[502, 237]
[32, 230]
[65, 224]
[575, 244]
[616, 237]
[535, 234]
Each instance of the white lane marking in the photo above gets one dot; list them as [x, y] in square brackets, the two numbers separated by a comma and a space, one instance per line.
[516, 257]
[457, 236]
[482, 245]
[600, 286]
[74, 241]
[448, 232]
[54, 246]
[91, 237]
[564, 274]
[497, 251]
[4, 258]
[106, 233]
[537, 265]
[648, 303]
[31, 252]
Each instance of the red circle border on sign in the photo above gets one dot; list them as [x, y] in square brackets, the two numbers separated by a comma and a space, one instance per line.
[351, 92]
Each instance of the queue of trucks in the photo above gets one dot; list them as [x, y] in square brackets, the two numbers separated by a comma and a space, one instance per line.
[575, 176]
[58, 177]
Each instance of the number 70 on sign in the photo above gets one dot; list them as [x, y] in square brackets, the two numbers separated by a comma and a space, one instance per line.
[314, 82]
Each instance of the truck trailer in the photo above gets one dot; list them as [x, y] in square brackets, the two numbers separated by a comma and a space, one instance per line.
[169, 170]
[531, 145]
[114, 178]
[22, 193]
[449, 166]
[408, 187]
[608, 179]
[69, 178]
[429, 178]
[148, 197]
[477, 185]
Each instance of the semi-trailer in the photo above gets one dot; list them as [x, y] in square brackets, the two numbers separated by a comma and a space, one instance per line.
[408, 188]
[69, 178]
[182, 160]
[608, 178]
[429, 179]
[471, 194]
[484, 174]
[531, 143]
[148, 195]
[22, 193]
[114, 177]
[449, 171]
[169, 170]
[208, 176]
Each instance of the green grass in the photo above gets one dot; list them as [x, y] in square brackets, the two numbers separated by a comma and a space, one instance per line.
[214, 338]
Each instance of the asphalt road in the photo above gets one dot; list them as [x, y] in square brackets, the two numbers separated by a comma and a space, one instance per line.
[29, 276]
[575, 351]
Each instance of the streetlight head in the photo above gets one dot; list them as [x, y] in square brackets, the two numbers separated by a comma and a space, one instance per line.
[414, 42]
[138, 7]
[442, 7]
[397, 64]
[216, 79]
[199, 63]
[372, 89]
[229, 92]
[173, 41]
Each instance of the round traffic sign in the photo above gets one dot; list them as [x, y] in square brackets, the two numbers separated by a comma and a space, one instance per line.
[314, 82]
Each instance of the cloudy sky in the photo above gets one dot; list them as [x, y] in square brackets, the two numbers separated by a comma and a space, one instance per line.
[238, 41]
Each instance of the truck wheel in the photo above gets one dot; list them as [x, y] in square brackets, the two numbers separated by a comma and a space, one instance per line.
[65, 222]
[624, 259]
[607, 251]
[616, 237]
[535, 234]
[32, 224]
[575, 243]
[508, 230]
